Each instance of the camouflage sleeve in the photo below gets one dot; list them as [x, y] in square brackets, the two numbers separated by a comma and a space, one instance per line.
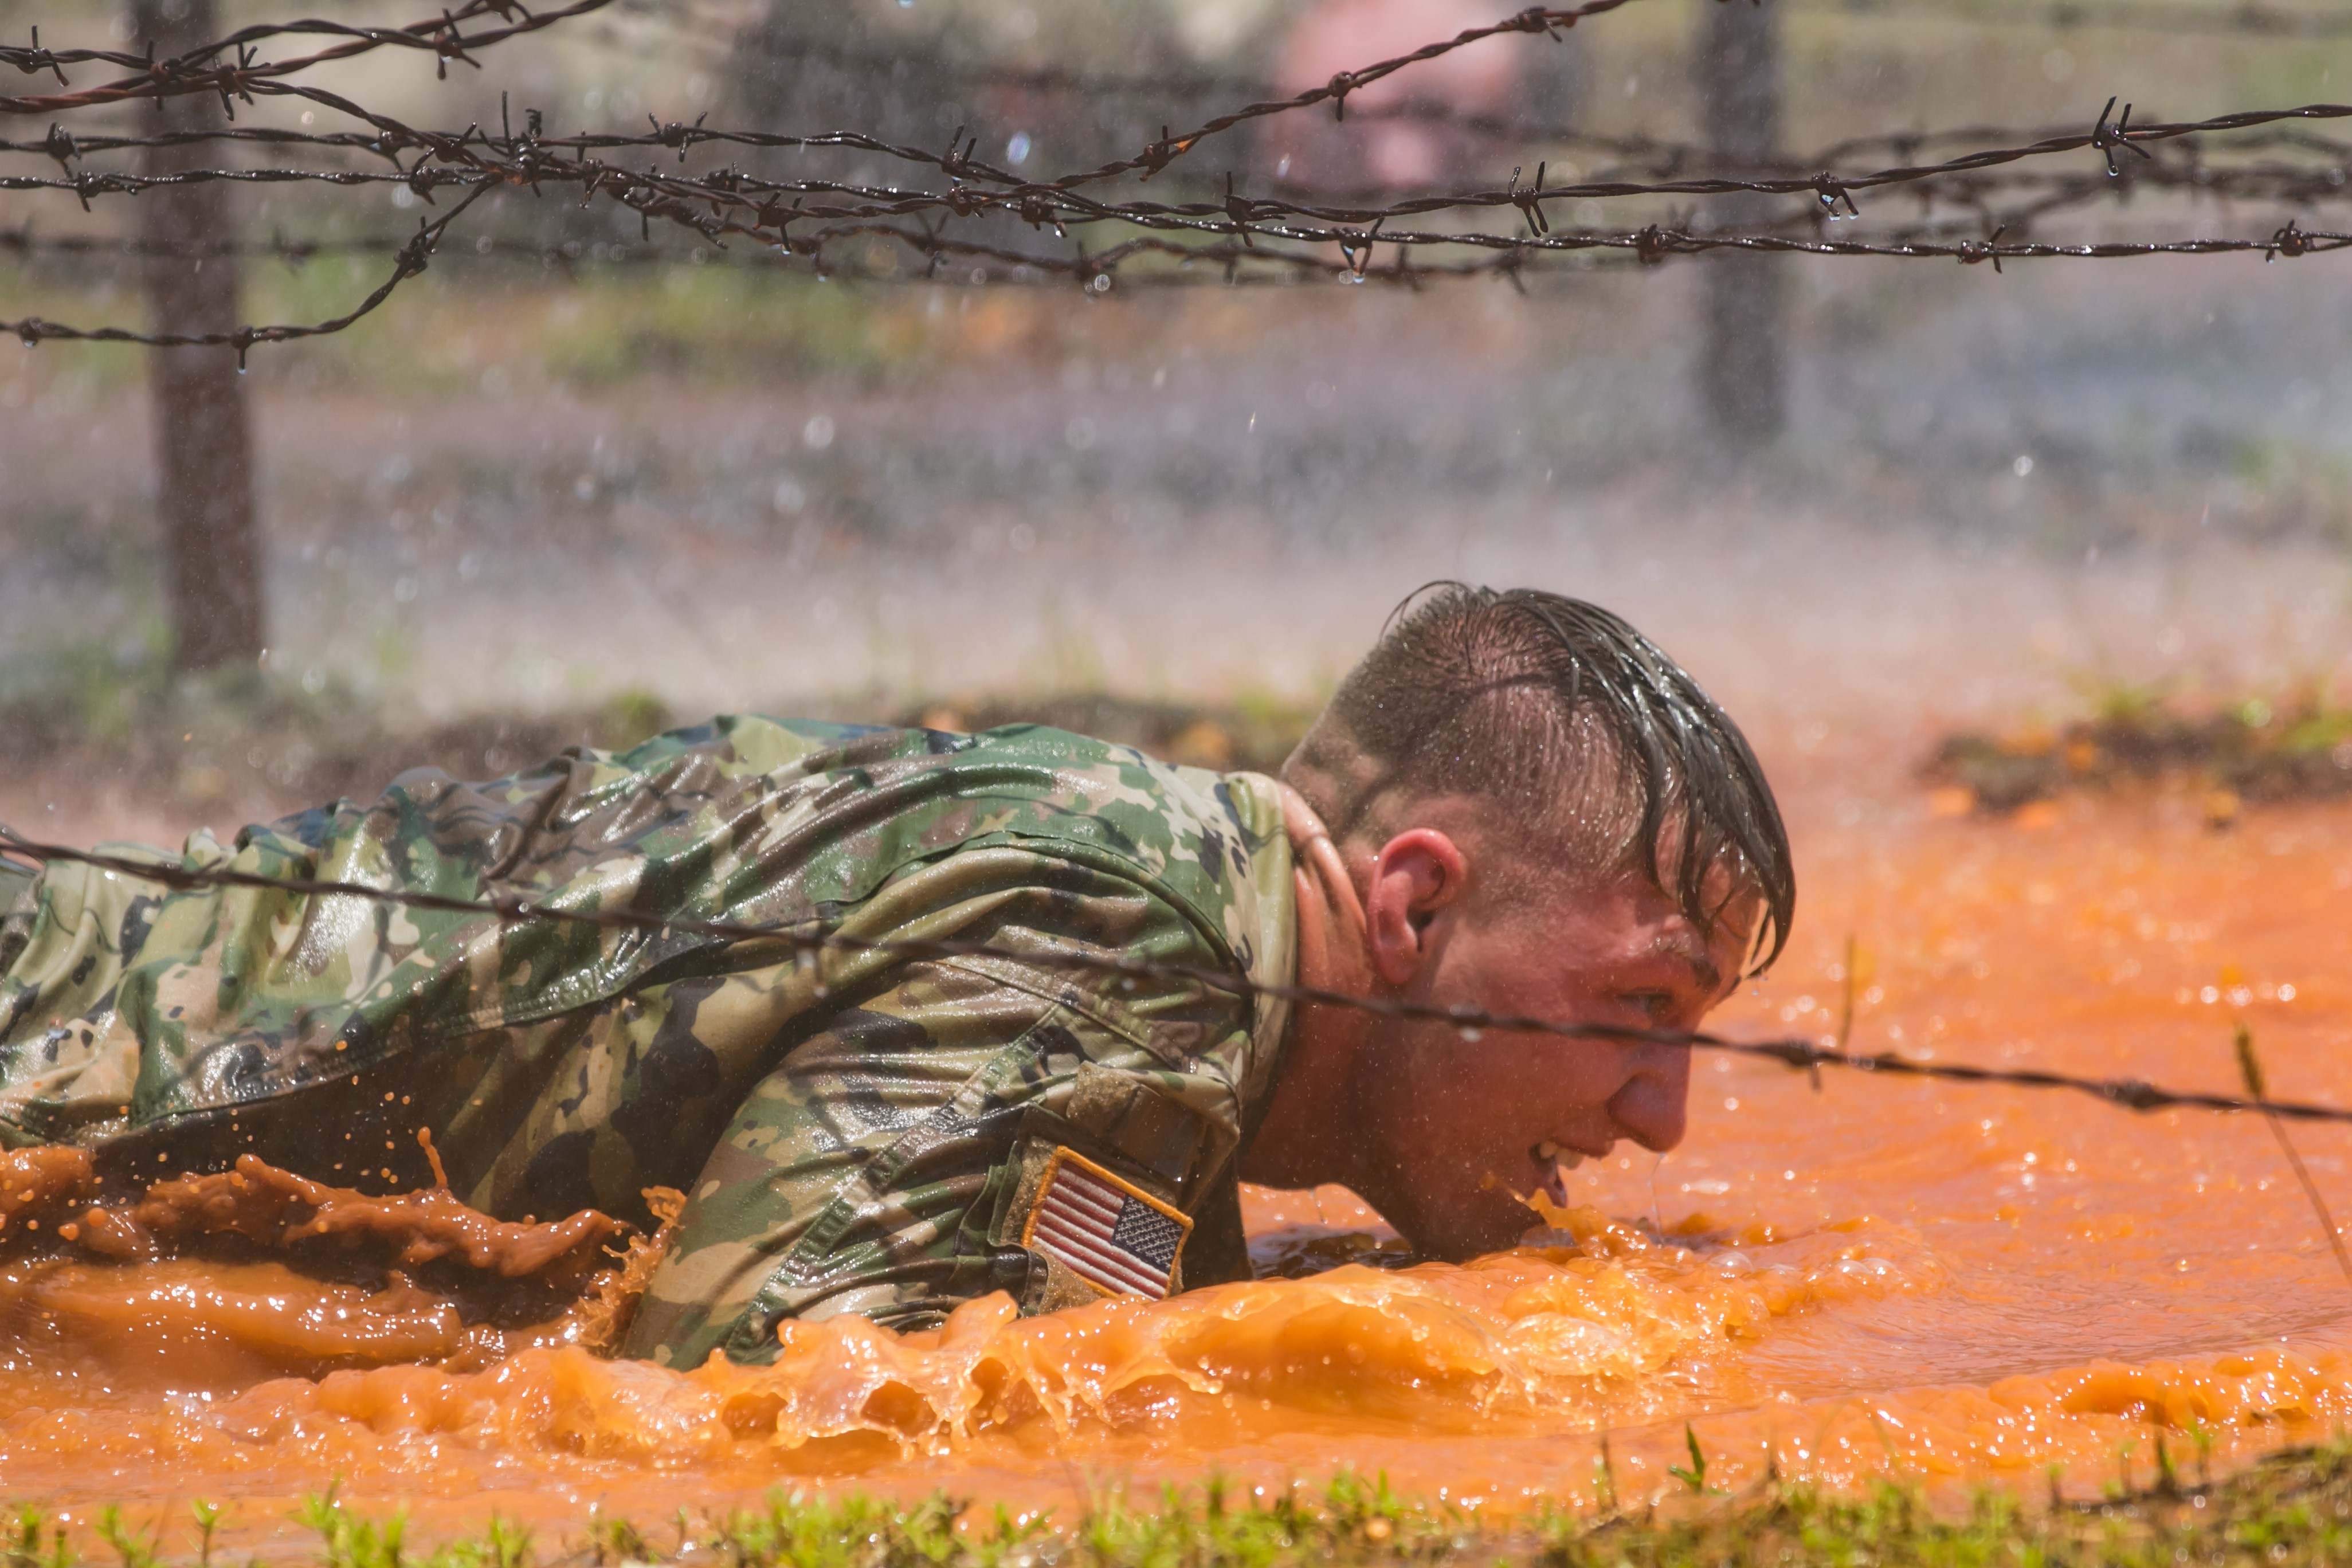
[66, 940]
[878, 1169]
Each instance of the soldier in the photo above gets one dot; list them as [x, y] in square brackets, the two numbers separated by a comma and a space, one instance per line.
[1515, 802]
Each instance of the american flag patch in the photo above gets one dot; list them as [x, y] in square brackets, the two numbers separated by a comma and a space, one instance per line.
[1116, 1237]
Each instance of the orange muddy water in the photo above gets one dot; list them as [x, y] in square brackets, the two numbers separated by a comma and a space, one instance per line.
[1866, 1277]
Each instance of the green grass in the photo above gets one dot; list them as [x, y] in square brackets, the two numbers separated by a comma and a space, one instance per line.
[2294, 743]
[2294, 1509]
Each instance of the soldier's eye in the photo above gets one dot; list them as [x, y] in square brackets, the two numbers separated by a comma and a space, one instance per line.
[1656, 1006]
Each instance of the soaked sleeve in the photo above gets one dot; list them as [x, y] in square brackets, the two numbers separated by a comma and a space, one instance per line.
[873, 1172]
[65, 939]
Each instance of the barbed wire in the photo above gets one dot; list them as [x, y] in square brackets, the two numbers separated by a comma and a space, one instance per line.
[183, 73]
[2185, 168]
[410, 260]
[190, 72]
[976, 188]
[1023, 268]
[1473, 1023]
[1975, 203]
[1037, 202]
[1017, 268]
[1514, 261]
[1636, 148]
[1975, 177]
[1231, 237]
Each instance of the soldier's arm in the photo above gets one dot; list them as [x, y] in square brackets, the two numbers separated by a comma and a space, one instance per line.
[889, 1165]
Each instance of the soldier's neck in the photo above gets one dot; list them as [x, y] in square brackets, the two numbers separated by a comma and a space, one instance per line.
[1303, 1141]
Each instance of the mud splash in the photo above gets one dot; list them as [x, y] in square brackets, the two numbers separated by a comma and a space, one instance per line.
[257, 1269]
[1606, 1325]
[1956, 1283]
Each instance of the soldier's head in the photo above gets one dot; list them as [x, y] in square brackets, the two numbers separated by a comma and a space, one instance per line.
[1540, 814]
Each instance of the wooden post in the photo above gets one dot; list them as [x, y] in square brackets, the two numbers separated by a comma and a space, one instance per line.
[204, 442]
[1743, 363]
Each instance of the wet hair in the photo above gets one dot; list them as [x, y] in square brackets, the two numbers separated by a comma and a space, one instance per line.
[1602, 751]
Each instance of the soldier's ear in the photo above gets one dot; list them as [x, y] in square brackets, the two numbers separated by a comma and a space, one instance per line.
[1415, 875]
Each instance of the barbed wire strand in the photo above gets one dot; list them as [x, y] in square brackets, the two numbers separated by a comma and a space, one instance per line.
[1512, 259]
[1473, 1023]
[411, 260]
[484, 161]
[978, 186]
[1974, 210]
[1662, 153]
[726, 202]
[185, 73]
[181, 74]
[534, 158]
[2294, 184]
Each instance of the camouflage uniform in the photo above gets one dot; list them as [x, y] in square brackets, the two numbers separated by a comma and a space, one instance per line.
[860, 1133]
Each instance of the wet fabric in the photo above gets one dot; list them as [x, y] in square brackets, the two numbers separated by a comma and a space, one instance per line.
[16, 908]
[855, 1133]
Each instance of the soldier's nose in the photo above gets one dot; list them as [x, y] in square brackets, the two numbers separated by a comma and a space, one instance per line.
[1653, 1106]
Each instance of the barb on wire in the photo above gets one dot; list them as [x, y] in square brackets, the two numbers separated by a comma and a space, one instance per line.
[1473, 1023]
[412, 259]
[188, 73]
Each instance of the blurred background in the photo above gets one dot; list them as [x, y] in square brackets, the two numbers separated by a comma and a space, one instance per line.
[584, 479]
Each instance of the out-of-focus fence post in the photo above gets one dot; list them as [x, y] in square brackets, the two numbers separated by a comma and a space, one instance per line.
[1743, 364]
[203, 441]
